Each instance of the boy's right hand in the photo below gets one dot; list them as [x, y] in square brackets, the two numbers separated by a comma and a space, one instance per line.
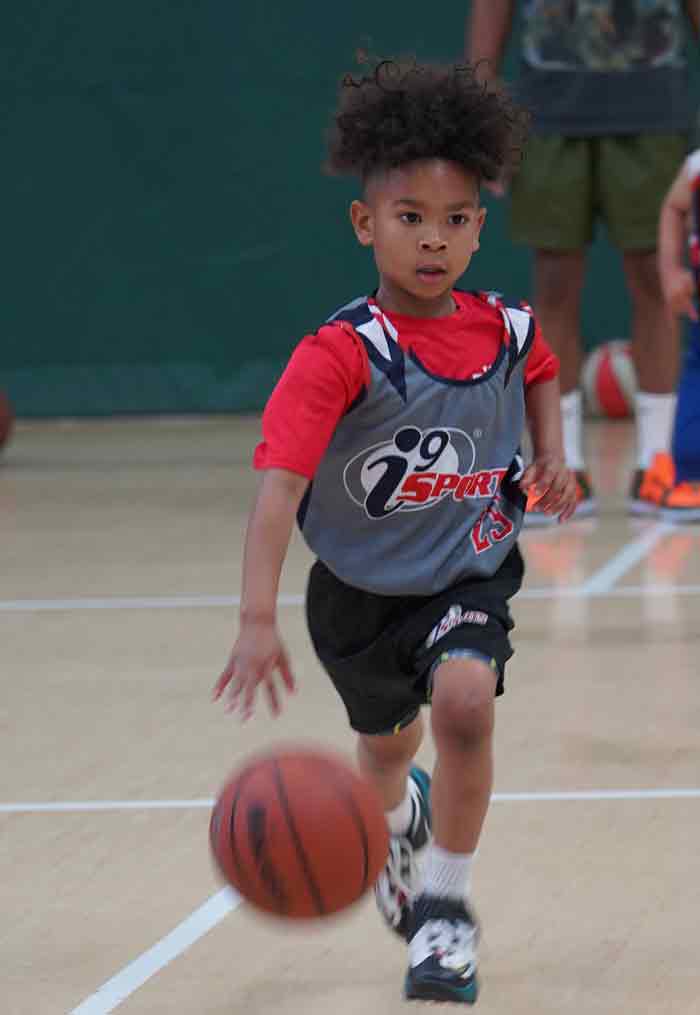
[679, 291]
[258, 652]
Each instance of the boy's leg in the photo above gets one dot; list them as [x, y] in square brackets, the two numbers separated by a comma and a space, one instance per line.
[462, 715]
[443, 930]
[386, 760]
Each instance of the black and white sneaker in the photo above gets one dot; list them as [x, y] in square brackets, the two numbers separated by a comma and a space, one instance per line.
[443, 936]
[399, 882]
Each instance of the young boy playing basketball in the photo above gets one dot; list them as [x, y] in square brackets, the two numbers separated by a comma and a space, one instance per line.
[680, 220]
[393, 438]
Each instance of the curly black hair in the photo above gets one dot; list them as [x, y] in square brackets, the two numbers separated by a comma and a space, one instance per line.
[403, 111]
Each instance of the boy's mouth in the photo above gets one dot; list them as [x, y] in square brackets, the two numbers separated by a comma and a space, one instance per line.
[431, 271]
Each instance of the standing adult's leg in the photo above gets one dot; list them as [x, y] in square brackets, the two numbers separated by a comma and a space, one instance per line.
[558, 284]
[655, 330]
[655, 349]
[559, 278]
[635, 173]
[552, 211]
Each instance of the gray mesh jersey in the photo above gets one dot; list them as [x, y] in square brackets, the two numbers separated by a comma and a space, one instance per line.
[418, 487]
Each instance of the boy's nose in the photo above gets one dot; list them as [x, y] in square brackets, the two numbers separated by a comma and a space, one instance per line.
[433, 243]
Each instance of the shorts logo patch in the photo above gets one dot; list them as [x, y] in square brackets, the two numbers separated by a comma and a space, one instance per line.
[455, 617]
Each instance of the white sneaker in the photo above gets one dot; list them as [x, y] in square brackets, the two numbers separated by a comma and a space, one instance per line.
[443, 936]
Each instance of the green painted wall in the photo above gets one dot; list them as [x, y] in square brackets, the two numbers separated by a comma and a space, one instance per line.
[168, 234]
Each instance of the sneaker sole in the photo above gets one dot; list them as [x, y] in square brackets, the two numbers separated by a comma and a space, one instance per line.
[642, 507]
[433, 990]
[680, 515]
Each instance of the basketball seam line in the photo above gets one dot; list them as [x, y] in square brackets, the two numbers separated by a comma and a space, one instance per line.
[346, 794]
[294, 833]
[235, 853]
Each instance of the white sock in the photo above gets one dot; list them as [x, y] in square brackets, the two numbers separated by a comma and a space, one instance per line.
[399, 819]
[571, 419]
[655, 415]
[447, 874]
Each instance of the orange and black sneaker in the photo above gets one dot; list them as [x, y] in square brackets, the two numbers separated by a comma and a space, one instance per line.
[586, 504]
[682, 503]
[650, 486]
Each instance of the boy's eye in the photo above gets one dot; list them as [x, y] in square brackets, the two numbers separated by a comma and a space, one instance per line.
[458, 219]
[411, 217]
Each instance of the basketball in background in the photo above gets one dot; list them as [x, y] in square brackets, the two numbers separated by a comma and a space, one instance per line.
[6, 418]
[609, 380]
[299, 833]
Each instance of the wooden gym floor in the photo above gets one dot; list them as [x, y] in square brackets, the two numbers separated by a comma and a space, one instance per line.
[120, 565]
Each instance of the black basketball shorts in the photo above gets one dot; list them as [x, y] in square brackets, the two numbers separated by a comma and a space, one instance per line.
[380, 651]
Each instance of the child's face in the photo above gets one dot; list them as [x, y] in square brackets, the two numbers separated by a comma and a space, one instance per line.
[423, 221]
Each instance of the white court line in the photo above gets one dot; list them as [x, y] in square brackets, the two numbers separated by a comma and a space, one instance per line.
[621, 562]
[111, 994]
[650, 591]
[75, 806]
[584, 591]
[130, 603]
[78, 806]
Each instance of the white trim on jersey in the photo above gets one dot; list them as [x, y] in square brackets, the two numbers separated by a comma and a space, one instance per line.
[374, 332]
[518, 323]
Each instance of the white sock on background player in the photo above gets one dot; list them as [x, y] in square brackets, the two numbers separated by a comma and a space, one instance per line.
[572, 426]
[654, 415]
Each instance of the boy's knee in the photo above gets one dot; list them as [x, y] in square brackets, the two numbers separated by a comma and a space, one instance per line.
[463, 698]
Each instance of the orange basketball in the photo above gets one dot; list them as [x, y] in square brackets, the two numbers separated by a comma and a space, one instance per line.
[299, 833]
[6, 418]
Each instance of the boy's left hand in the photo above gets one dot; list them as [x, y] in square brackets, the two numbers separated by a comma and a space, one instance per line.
[555, 485]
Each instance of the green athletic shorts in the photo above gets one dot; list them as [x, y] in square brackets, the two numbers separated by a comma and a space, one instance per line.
[566, 183]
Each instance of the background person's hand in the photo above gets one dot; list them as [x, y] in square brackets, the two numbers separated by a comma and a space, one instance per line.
[679, 292]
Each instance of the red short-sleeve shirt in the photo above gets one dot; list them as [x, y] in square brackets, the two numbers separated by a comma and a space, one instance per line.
[329, 369]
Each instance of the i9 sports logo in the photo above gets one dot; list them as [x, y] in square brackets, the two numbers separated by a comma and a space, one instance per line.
[416, 470]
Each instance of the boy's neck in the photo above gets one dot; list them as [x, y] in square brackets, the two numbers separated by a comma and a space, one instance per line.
[401, 302]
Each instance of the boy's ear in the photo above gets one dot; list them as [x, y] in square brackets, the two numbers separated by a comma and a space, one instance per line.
[480, 219]
[362, 222]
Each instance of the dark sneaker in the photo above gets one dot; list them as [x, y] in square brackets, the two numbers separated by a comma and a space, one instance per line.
[650, 487]
[399, 882]
[586, 504]
[443, 936]
[682, 503]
